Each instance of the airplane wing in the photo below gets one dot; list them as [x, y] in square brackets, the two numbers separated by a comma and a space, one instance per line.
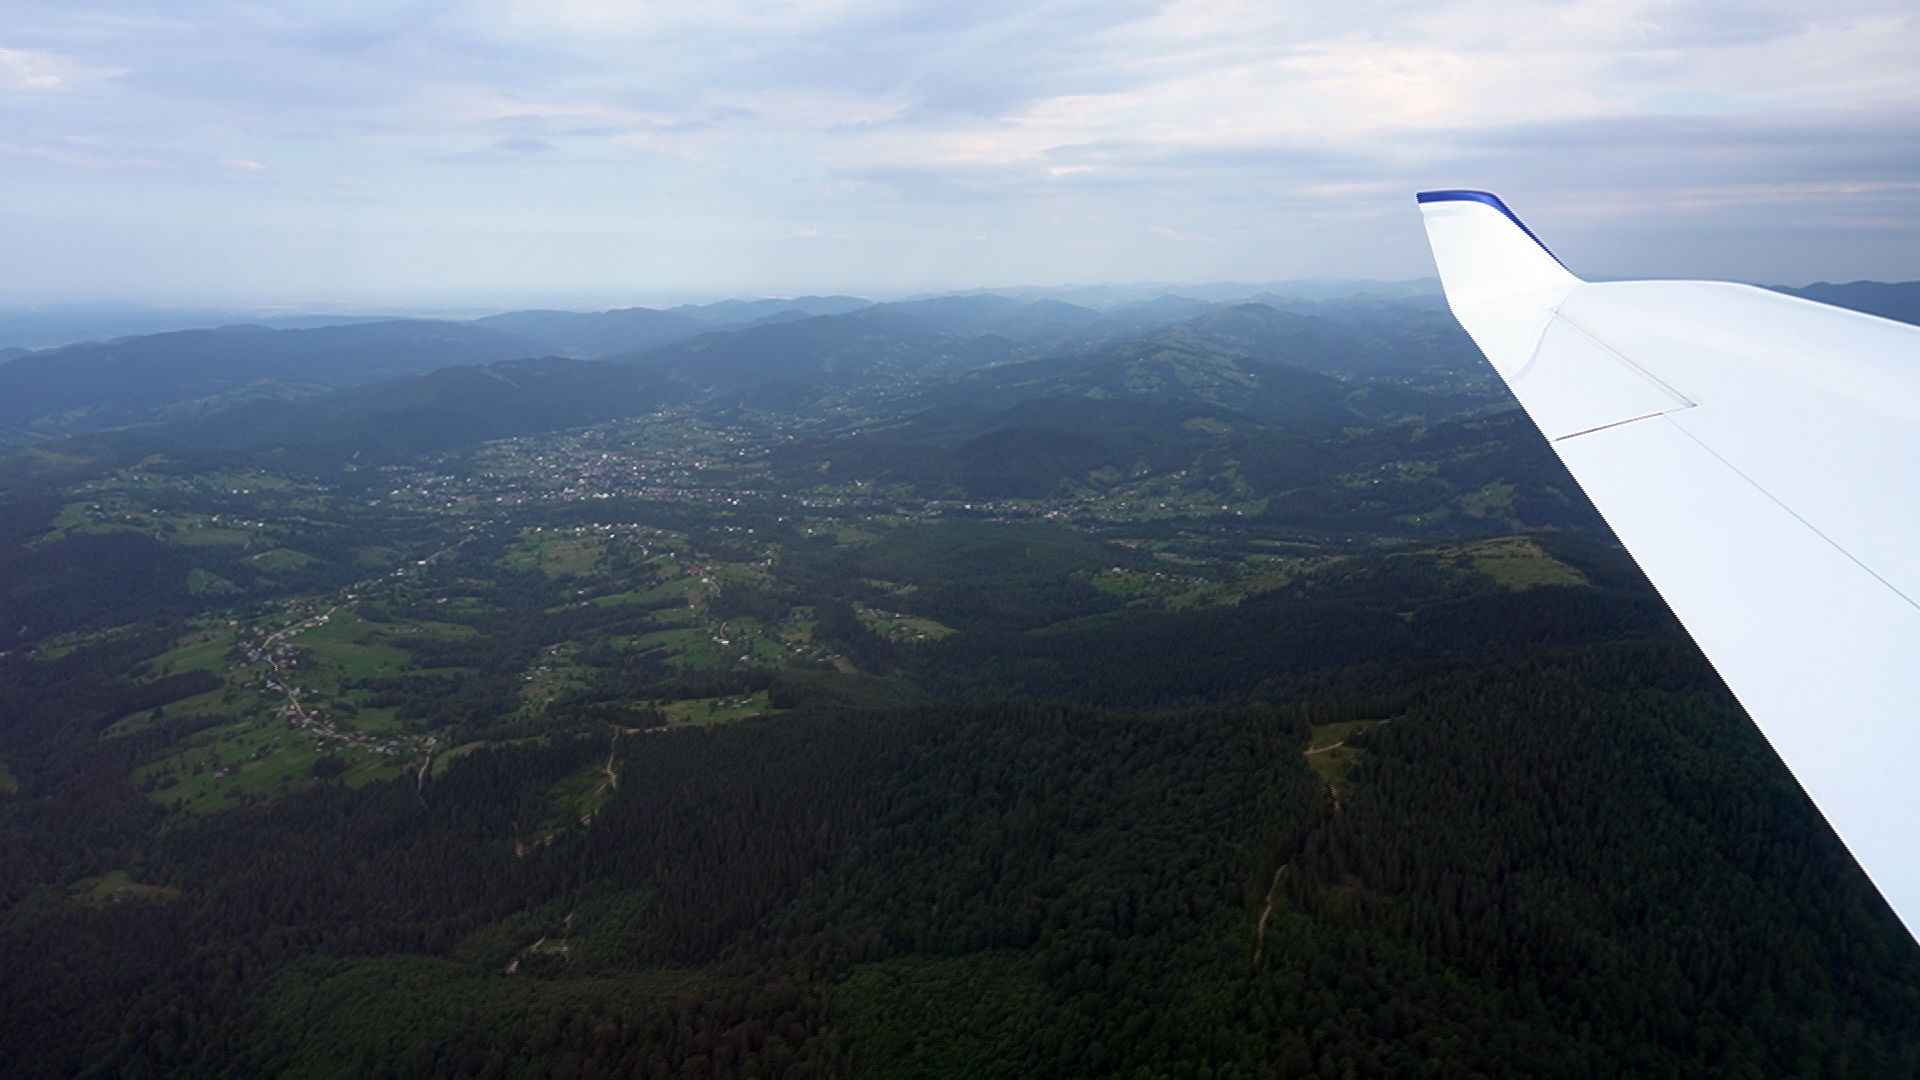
[1759, 456]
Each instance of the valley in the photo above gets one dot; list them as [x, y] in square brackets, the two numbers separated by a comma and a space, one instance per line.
[884, 700]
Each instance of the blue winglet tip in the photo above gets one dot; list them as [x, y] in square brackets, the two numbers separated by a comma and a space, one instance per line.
[1490, 199]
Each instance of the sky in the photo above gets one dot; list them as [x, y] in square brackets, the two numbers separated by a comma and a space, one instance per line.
[592, 153]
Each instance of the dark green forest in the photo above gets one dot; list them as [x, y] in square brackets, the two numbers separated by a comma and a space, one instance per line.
[1168, 708]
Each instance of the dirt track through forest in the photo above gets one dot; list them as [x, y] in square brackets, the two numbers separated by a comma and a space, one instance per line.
[1260, 930]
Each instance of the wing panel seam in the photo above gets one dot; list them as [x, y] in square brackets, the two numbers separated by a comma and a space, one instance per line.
[1620, 423]
[1684, 401]
[1791, 512]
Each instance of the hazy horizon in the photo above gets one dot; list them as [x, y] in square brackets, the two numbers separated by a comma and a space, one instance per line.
[290, 154]
[57, 324]
[52, 325]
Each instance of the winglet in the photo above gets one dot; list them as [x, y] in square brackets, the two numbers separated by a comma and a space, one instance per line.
[1502, 283]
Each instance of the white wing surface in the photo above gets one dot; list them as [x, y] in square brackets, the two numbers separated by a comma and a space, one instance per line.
[1759, 455]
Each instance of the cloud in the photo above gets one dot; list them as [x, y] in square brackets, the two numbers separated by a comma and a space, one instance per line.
[697, 131]
[25, 71]
[31, 70]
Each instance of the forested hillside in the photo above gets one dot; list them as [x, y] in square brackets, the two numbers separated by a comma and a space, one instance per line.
[1245, 695]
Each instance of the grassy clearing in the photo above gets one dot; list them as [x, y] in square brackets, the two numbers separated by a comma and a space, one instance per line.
[1516, 563]
[557, 555]
[196, 535]
[373, 768]
[427, 628]
[1197, 594]
[746, 638]
[347, 648]
[282, 559]
[1118, 582]
[679, 586]
[242, 483]
[229, 764]
[72, 515]
[674, 640]
[739, 573]
[1335, 767]
[205, 648]
[60, 645]
[704, 648]
[579, 797]
[705, 712]
[379, 723]
[904, 627]
[1494, 500]
[554, 672]
[226, 762]
[1179, 592]
[211, 703]
[845, 535]
[117, 887]
[204, 582]
[617, 599]
[1329, 735]
[1255, 584]
[97, 519]
[1332, 761]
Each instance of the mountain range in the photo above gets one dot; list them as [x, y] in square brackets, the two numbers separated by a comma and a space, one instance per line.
[187, 373]
[937, 370]
[758, 354]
